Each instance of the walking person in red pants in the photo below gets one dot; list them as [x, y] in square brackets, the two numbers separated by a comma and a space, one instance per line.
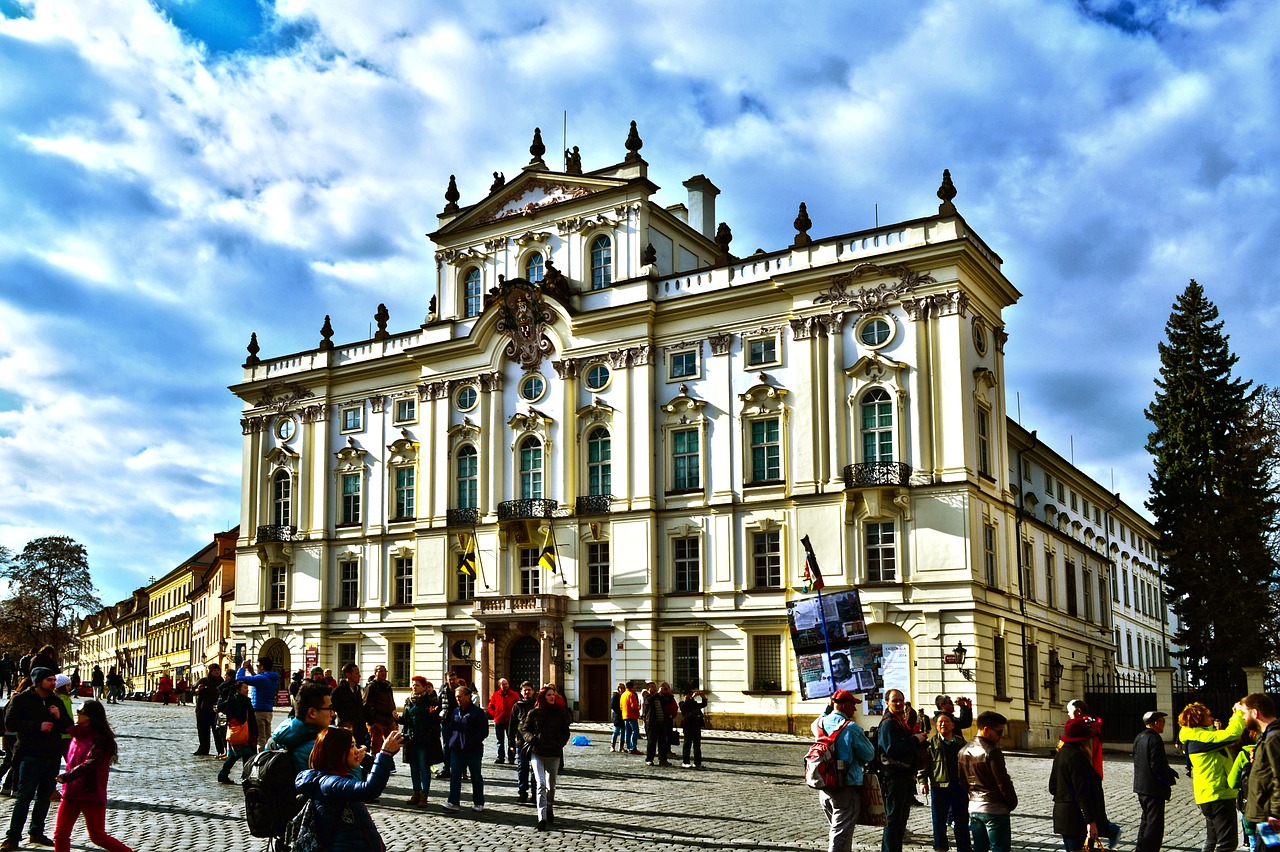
[84, 784]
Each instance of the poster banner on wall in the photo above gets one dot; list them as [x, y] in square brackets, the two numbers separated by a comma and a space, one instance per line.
[857, 669]
[844, 622]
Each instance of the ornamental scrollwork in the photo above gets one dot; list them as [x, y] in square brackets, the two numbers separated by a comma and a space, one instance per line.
[522, 317]
[281, 395]
[879, 297]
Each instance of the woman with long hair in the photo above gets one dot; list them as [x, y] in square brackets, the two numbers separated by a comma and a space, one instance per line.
[333, 783]
[545, 730]
[84, 783]
[422, 748]
[1079, 809]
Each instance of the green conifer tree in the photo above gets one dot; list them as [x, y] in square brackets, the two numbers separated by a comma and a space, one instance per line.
[1213, 496]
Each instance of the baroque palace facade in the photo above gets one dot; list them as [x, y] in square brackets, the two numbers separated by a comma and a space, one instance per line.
[599, 376]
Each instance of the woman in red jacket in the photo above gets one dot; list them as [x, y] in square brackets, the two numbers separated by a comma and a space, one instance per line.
[84, 784]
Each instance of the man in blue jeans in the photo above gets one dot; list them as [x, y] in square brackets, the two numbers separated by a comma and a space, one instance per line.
[38, 718]
[265, 686]
[991, 795]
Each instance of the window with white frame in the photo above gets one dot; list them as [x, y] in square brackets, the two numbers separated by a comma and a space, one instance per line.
[877, 426]
[598, 568]
[348, 584]
[682, 365]
[352, 418]
[401, 663]
[277, 593]
[685, 663]
[601, 262]
[406, 410]
[404, 492]
[766, 559]
[468, 477]
[686, 460]
[351, 499]
[402, 582]
[766, 662]
[282, 498]
[989, 553]
[534, 268]
[882, 555]
[766, 449]
[983, 423]
[686, 562]
[471, 292]
[531, 469]
[762, 351]
[530, 572]
[599, 464]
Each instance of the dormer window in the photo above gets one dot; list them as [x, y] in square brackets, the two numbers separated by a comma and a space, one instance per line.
[534, 268]
[471, 292]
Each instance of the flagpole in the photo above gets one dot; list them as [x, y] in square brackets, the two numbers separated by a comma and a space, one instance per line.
[822, 613]
[475, 548]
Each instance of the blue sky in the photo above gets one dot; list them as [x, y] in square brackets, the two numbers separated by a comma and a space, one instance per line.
[175, 175]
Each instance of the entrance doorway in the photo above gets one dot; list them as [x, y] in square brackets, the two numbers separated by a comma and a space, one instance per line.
[525, 662]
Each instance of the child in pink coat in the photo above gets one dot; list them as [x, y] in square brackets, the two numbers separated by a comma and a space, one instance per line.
[84, 783]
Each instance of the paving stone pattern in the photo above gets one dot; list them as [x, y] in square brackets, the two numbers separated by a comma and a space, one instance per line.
[749, 796]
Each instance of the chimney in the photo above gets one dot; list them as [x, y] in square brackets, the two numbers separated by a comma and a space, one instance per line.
[702, 204]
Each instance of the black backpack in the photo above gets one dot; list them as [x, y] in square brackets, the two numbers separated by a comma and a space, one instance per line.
[271, 800]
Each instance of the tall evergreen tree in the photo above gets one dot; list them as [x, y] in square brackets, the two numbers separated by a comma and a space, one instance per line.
[1213, 496]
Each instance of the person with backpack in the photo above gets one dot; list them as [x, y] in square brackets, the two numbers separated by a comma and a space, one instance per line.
[691, 720]
[313, 712]
[1262, 787]
[84, 783]
[853, 750]
[339, 795]
[1153, 781]
[242, 741]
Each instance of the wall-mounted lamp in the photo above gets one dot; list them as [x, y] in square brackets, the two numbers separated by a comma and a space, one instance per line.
[462, 649]
[958, 655]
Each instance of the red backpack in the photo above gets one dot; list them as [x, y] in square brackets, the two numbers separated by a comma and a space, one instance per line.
[821, 770]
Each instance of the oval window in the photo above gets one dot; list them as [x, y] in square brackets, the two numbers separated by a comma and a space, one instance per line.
[533, 387]
[467, 398]
[597, 377]
[595, 648]
[875, 332]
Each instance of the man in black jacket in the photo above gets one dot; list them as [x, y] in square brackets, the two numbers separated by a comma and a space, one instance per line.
[518, 711]
[448, 703]
[38, 718]
[1153, 781]
[348, 703]
[207, 710]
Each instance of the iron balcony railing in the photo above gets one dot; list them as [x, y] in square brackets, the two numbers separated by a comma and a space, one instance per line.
[593, 504]
[516, 510]
[461, 517]
[277, 532]
[871, 474]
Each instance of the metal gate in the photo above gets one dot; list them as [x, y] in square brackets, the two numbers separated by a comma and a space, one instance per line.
[1120, 702]
[1219, 698]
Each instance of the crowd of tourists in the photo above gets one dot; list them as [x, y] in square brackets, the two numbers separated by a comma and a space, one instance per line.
[1234, 769]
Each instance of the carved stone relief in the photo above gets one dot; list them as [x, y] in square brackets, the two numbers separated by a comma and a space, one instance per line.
[281, 395]
[879, 297]
[720, 343]
[937, 305]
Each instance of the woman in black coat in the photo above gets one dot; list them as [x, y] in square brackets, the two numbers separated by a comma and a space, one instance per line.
[1078, 806]
[420, 722]
[544, 731]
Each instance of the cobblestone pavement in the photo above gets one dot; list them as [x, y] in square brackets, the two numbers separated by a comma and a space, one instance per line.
[749, 796]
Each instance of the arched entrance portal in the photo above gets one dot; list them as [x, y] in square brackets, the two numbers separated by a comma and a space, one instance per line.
[524, 662]
[278, 652]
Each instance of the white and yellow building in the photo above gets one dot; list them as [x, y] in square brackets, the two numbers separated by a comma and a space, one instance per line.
[597, 369]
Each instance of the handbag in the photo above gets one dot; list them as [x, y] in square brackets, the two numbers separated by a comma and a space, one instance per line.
[1092, 844]
[237, 733]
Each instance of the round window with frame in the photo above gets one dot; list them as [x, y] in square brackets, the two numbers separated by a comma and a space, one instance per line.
[597, 376]
[979, 336]
[533, 387]
[466, 397]
[876, 331]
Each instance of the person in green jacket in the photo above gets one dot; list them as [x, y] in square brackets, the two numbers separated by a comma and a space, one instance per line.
[1243, 759]
[1211, 760]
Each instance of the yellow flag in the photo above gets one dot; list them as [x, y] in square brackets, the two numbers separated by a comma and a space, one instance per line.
[547, 559]
[467, 561]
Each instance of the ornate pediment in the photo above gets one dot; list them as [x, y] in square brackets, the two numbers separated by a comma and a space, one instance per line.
[684, 408]
[523, 316]
[403, 450]
[281, 395]
[350, 458]
[526, 198]
[879, 297]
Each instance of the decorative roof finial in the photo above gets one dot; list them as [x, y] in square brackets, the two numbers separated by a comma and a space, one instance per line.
[634, 144]
[452, 195]
[946, 192]
[382, 316]
[724, 236]
[253, 360]
[537, 149]
[648, 255]
[499, 181]
[326, 334]
[802, 225]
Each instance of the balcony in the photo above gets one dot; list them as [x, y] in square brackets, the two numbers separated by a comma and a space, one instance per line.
[277, 532]
[519, 607]
[593, 504]
[519, 510]
[876, 474]
[461, 517]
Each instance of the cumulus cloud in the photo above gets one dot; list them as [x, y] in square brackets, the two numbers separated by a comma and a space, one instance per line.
[171, 181]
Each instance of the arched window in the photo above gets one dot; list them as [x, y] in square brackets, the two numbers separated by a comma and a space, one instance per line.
[471, 293]
[468, 478]
[599, 466]
[877, 426]
[533, 268]
[601, 262]
[282, 499]
[531, 469]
